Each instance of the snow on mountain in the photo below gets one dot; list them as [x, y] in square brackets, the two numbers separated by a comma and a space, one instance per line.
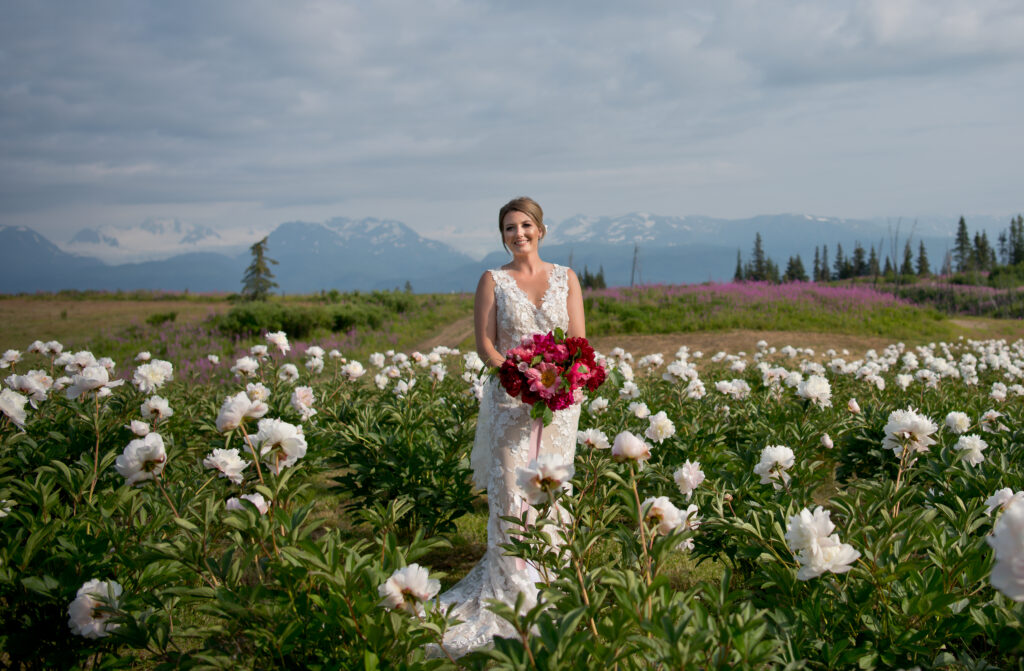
[155, 239]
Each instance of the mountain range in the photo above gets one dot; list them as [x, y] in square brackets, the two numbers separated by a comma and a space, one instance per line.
[367, 254]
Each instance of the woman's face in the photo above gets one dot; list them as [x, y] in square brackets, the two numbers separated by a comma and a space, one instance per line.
[520, 233]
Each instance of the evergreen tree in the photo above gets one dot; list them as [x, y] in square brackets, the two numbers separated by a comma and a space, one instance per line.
[825, 276]
[771, 271]
[923, 268]
[1004, 248]
[859, 262]
[759, 263]
[816, 272]
[599, 282]
[873, 268]
[840, 263]
[888, 266]
[1016, 241]
[738, 275]
[795, 271]
[962, 247]
[258, 280]
[908, 260]
[947, 264]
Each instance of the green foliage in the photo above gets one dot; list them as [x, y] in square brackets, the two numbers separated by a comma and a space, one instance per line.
[416, 447]
[258, 279]
[159, 318]
[298, 587]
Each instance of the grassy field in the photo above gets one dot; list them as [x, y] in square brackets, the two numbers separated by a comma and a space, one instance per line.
[655, 319]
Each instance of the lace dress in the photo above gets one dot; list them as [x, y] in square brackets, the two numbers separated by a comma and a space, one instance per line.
[501, 446]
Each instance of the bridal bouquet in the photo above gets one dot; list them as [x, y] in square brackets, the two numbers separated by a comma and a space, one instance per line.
[548, 372]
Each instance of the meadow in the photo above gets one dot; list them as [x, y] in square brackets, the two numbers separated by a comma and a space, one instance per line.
[207, 498]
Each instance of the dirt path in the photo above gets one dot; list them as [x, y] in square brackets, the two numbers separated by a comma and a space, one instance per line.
[455, 333]
[450, 335]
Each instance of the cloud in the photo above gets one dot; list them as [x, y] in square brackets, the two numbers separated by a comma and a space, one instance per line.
[429, 108]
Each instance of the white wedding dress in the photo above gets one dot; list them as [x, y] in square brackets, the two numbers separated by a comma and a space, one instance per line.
[501, 446]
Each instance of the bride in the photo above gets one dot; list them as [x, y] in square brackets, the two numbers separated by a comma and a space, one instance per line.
[523, 297]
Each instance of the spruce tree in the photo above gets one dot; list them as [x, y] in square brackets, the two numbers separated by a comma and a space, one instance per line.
[873, 268]
[825, 276]
[962, 247]
[258, 280]
[738, 275]
[759, 262]
[859, 262]
[840, 263]
[816, 272]
[908, 260]
[923, 268]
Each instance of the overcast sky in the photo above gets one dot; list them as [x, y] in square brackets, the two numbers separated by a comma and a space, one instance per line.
[247, 114]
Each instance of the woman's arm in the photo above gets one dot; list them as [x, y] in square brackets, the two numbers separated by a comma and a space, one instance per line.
[577, 321]
[485, 321]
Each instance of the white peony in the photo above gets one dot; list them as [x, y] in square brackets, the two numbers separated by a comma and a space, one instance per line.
[289, 372]
[593, 438]
[629, 447]
[151, 376]
[94, 604]
[639, 410]
[236, 409]
[660, 427]
[817, 390]
[688, 477]
[315, 365]
[1007, 540]
[663, 513]
[255, 498]
[12, 404]
[302, 401]
[598, 406]
[140, 429]
[279, 340]
[257, 391]
[958, 422]
[910, 430]
[228, 462]
[245, 366]
[91, 378]
[853, 406]
[544, 476]
[971, 447]
[826, 441]
[143, 459]
[35, 384]
[1002, 499]
[407, 588]
[818, 550]
[775, 459]
[156, 408]
[280, 444]
[353, 370]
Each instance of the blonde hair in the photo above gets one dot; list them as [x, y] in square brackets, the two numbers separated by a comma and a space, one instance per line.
[527, 206]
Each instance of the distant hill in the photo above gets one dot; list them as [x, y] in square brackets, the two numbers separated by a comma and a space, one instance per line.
[367, 254]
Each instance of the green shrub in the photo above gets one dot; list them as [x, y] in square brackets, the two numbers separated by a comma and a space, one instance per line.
[159, 318]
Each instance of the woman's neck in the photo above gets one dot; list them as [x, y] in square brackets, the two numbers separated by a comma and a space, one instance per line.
[527, 264]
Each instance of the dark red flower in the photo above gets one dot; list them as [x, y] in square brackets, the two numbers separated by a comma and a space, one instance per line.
[511, 378]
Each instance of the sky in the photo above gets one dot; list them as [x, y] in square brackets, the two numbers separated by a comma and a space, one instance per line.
[241, 115]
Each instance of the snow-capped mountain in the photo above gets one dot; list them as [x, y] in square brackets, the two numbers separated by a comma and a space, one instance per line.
[155, 239]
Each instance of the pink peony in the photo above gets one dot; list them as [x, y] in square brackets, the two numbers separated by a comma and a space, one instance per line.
[544, 379]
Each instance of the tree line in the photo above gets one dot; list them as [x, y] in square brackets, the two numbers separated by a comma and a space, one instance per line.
[968, 255]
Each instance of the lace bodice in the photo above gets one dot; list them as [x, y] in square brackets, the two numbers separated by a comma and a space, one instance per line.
[518, 316]
[501, 447]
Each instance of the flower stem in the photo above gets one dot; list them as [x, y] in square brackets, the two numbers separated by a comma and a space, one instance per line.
[255, 457]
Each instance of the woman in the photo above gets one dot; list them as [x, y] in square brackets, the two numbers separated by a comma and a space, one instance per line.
[523, 297]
